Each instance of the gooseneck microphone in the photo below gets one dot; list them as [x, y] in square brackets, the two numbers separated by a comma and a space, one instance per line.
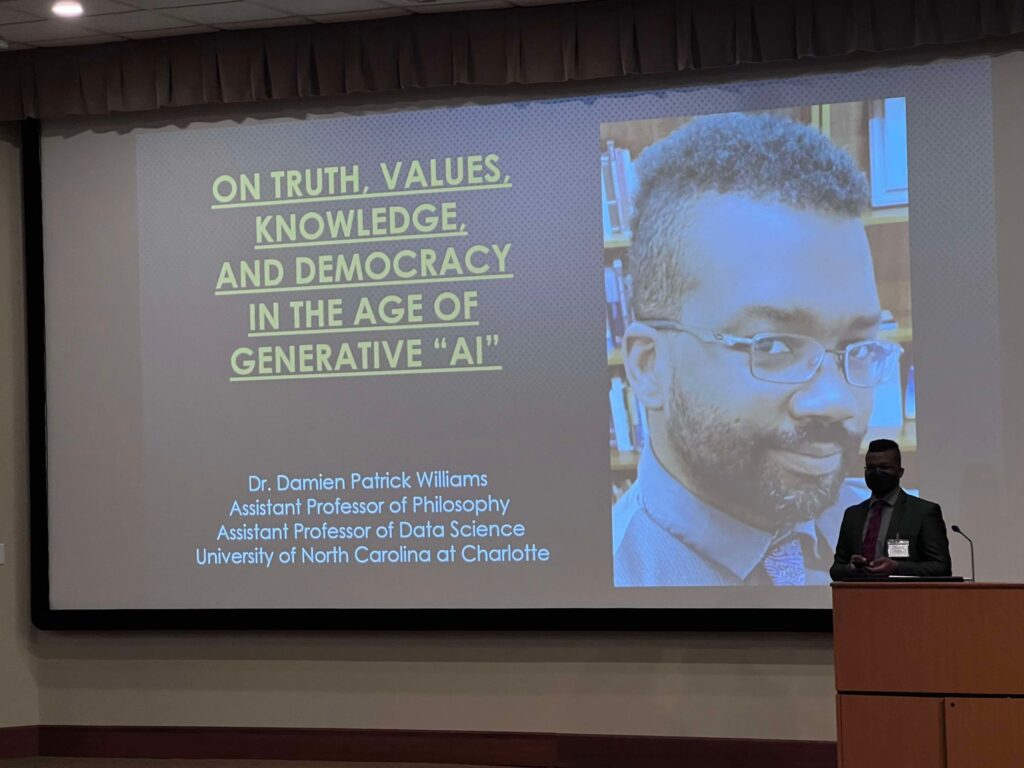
[956, 529]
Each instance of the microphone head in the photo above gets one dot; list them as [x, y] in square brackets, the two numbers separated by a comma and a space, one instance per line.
[956, 529]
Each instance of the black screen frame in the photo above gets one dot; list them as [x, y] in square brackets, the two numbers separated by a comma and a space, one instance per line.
[45, 617]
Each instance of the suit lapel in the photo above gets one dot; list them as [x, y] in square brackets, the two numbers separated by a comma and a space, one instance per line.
[897, 515]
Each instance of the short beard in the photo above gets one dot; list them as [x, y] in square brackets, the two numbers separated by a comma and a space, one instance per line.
[729, 465]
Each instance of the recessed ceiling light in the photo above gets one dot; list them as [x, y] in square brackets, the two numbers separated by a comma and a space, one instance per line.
[67, 9]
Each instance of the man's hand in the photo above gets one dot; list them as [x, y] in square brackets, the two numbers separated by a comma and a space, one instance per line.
[858, 563]
[881, 566]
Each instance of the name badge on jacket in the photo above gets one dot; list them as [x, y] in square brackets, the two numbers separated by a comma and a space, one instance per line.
[896, 548]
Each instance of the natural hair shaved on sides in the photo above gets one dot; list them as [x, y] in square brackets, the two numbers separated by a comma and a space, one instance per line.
[882, 445]
[766, 157]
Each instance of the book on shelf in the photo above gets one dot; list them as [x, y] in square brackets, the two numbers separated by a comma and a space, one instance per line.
[618, 290]
[628, 430]
[618, 188]
[610, 218]
[615, 316]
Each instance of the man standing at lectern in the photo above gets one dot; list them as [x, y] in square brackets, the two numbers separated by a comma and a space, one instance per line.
[891, 532]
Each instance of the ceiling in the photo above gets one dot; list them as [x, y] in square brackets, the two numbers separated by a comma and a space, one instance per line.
[30, 24]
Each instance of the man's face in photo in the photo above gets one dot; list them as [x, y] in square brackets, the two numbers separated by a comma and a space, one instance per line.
[771, 454]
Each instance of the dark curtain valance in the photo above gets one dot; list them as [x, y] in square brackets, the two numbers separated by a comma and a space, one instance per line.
[546, 44]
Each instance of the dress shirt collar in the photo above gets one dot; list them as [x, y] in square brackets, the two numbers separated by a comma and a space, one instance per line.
[717, 536]
[890, 498]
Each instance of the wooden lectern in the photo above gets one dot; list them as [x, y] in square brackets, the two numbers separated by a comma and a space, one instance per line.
[929, 674]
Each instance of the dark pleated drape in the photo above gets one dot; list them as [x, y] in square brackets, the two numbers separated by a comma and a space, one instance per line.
[532, 45]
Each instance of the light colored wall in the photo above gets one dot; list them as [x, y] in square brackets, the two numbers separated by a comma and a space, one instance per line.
[1008, 136]
[19, 703]
[750, 685]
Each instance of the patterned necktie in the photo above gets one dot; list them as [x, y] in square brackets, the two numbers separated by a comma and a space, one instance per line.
[785, 564]
[874, 528]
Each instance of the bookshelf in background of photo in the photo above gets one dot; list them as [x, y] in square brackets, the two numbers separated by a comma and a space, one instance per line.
[874, 133]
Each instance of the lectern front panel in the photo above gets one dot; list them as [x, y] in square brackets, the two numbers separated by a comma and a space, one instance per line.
[939, 638]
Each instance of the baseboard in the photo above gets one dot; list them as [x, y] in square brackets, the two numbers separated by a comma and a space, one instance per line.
[22, 741]
[523, 750]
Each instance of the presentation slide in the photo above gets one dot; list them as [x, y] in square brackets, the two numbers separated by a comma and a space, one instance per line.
[615, 351]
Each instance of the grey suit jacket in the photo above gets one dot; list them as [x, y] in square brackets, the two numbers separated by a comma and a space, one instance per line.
[917, 520]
